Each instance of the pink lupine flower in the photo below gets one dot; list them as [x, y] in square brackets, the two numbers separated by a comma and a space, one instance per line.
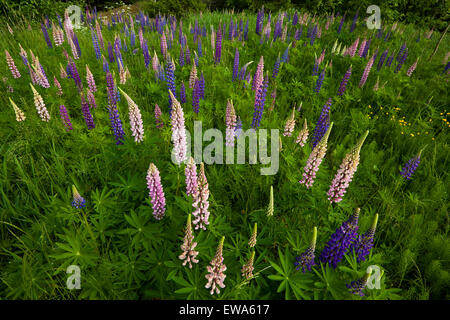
[352, 49]
[155, 62]
[345, 173]
[191, 177]
[362, 47]
[90, 80]
[12, 66]
[158, 119]
[99, 34]
[156, 192]
[247, 269]
[91, 99]
[192, 76]
[57, 85]
[42, 79]
[303, 135]
[163, 43]
[230, 122]
[40, 106]
[189, 254]
[290, 125]
[322, 56]
[412, 68]
[20, 116]
[315, 159]
[137, 127]
[33, 75]
[258, 77]
[366, 71]
[178, 131]
[201, 204]
[216, 271]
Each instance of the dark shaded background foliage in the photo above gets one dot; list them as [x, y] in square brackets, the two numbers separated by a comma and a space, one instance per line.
[433, 13]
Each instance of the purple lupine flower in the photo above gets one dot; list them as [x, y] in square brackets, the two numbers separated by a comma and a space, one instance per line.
[218, 53]
[216, 275]
[411, 166]
[182, 93]
[77, 45]
[110, 52]
[170, 80]
[344, 81]
[188, 55]
[389, 60]
[366, 71]
[382, 58]
[78, 201]
[276, 67]
[178, 131]
[260, 98]
[315, 159]
[116, 123]
[105, 65]
[345, 173]
[191, 177]
[65, 117]
[340, 241]
[196, 96]
[400, 52]
[158, 119]
[341, 23]
[355, 19]
[189, 254]
[46, 36]
[75, 75]
[235, 65]
[12, 67]
[322, 124]
[364, 242]
[95, 45]
[366, 48]
[156, 192]
[201, 85]
[402, 60]
[295, 18]
[313, 35]
[362, 47]
[87, 113]
[181, 58]
[285, 56]
[230, 121]
[320, 81]
[316, 68]
[356, 287]
[259, 21]
[201, 203]
[306, 260]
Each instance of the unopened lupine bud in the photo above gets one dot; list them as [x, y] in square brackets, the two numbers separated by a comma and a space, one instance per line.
[306, 260]
[252, 241]
[290, 125]
[271, 204]
[78, 201]
[247, 269]
[303, 135]
[189, 254]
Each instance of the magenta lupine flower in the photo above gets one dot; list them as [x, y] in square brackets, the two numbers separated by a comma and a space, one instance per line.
[258, 76]
[158, 119]
[306, 260]
[345, 173]
[91, 99]
[290, 125]
[20, 116]
[191, 177]
[87, 113]
[362, 47]
[315, 159]
[78, 201]
[156, 192]
[10, 61]
[201, 204]
[137, 127]
[412, 68]
[40, 106]
[366, 71]
[57, 85]
[189, 254]
[344, 81]
[230, 122]
[90, 80]
[178, 131]
[65, 117]
[303, 135]
[364, 242]
[352, 49]
[216, 271]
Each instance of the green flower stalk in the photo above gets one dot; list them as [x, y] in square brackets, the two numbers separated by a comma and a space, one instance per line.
[270, 207]
[252, 241]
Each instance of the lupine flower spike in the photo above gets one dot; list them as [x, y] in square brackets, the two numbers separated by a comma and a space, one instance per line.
[315, 159]
[40, 106]
[357, 286]
[158, 119]
[306, 260]
[364, 242]
[230, 123]
[340, 241]
[12, 67]
[78, 201]
[178, 131]
[156, 192]
[216, 271]
[411, 166]
[191, 177]
[201, 204]
[303, 135]
[189, 254]
[270, 207]
[137, 127]
[247, 269]
[252, 241]
[65, 117]
[290, 125]
[345, 173]
[90, 80]
[20, 116]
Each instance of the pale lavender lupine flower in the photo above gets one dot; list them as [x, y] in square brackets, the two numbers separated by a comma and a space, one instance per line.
[57, 85]
[230, 123]
[345, 173]
[40, 105]
[137, 127]
[366, 71]
[201, 204]
[303, 135]
[315, 159]
[216, 271]
[12, 67]
[178, 130]
[90, 80]
[158, 119]
[156, 192]
[189, 254]
[258, 76]
[412, 68]
[191, 177]
[290, 125]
